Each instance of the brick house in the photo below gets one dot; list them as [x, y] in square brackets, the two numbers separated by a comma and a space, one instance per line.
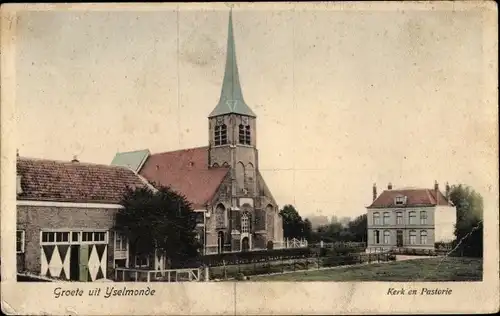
[221, 180]
[410, 218]
[65, 218]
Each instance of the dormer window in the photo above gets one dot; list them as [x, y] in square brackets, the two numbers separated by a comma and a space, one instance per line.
[400, 200]
[220, 135]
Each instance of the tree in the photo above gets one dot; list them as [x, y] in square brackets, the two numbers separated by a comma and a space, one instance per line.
[158, 220]
[293, 225]
[469, 226]
[358, 228]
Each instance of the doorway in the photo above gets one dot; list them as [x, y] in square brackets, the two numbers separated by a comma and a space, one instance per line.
[245, 244]
[399, 238]
[220, 242]
[74, 263]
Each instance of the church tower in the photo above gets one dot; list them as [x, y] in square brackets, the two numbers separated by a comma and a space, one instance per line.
[232, 129]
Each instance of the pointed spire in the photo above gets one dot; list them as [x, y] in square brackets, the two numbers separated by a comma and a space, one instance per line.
[231, 98]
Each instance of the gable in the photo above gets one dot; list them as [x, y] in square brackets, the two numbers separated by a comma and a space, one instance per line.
[186, 172]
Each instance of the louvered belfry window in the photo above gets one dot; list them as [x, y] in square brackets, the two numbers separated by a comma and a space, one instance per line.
[244, 134]
[220, 135]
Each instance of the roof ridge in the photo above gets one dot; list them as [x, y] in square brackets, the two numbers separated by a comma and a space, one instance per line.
[178, 150]
[79, 163]
[132, 151]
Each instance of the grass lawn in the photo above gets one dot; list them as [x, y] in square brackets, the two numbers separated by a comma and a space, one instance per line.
[415, 270]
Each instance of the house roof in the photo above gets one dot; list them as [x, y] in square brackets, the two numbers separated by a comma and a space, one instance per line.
[62, 181]
[415, 198]
[132, 159]
[231, 97]
[187, 172]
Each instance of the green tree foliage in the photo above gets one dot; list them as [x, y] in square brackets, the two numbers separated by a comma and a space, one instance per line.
[159, 219]
[293, 224]
[355, 231]
[469, 226]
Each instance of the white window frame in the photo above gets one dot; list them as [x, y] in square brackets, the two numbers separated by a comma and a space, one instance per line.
[386, 218]
[400, 218]
[422, 234]
[141, 265]
[245, 219]
[23, 241]
[376, 219]
[423, 217]
[70, 239]
[387, 234]
[414, 241]
[410, 218]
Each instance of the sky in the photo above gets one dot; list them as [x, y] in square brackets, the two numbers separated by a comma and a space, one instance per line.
[343, 98]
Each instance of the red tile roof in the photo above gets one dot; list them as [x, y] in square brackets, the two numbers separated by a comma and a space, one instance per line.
[185, 171]
[415, 197]
[60, 181]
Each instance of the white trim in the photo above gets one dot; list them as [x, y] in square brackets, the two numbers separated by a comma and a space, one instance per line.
[200, 211]
[67, 204]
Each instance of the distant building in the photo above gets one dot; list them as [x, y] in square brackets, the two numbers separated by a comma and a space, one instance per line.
[318, 221]
[410, 218]
[221, 180]
[65, 218]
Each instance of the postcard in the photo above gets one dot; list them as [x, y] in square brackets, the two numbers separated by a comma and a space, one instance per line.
[249, 158]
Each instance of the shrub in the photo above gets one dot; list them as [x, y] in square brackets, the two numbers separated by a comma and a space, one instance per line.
[240, 277]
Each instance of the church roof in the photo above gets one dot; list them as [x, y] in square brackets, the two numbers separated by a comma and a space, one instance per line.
[132, 159]
[231, 98]
[415, 198]
[187, 172]
[77, 182]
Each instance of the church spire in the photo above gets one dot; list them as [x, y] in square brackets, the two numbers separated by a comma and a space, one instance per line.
[231, 98]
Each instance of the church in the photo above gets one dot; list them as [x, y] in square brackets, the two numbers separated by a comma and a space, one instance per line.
[222, 180]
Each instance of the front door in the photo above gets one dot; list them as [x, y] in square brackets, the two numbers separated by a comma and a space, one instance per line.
[245, 244]
[399, 238]
[84, 263]
[74, 264]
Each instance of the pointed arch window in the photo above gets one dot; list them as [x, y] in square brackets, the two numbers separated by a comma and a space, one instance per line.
[220, 135]
[245, 223]
[244, 133]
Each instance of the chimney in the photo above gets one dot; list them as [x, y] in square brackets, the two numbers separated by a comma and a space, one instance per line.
[448, 189]
[436, 191]
[19, 189]
[374, 191]
[389, 186]
[75, 159]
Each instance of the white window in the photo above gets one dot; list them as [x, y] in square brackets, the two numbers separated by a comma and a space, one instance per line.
[376, 218]
[400, 200]
[423, 217]
[73, 237]
[20, 241]
[245, 223]
[399, 218]
[412, 217]
[387, 218]
[387, 237]
[141, 261]
[121, 242]
[413, 237]
[423, 237]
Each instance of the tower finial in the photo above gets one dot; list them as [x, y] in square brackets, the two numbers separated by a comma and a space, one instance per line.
[231, 97]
